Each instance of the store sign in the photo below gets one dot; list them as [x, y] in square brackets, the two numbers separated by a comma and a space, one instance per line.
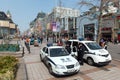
[108, 23]
[118, 17]
[56, 26]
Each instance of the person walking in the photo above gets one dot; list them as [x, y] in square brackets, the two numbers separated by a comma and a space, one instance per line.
[41, 40]
[80, 51]
[27, 44]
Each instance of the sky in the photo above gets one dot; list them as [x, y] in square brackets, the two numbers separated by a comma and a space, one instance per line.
[25, 11]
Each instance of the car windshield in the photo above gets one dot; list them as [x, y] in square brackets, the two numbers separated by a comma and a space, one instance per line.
[55, 52]
[93, 45]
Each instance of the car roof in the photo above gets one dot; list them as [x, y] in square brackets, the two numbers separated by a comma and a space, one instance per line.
[55, 47]
[74, 40]
[87, 41]
[83, 41]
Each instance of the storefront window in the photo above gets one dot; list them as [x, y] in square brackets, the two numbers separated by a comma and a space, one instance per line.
[89, 31]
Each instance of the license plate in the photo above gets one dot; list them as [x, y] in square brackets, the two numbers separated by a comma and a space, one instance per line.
[71, 70]
[107, 59]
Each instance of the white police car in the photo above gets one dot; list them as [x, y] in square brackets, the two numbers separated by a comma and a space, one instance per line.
[59, 61]
[93, 53]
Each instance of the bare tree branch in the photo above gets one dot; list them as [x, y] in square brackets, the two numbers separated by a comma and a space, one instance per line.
[83, 3]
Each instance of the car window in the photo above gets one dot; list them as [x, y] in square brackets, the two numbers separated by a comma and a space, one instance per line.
[85, 49]
[56, 52]
[75, 43]
[93, 46]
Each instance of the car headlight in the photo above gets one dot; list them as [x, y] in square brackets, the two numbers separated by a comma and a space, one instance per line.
[77, 64]
[60, 67]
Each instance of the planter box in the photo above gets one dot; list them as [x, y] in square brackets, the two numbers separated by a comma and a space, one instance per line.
[9, 47]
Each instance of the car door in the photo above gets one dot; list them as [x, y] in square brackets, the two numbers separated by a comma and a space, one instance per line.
[86, 51]
[43, 52]
[46, 56]
[74, 47]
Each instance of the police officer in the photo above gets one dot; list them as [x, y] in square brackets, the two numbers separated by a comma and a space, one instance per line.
[80, 52]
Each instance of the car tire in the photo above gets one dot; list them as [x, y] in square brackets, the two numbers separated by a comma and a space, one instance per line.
[41, 58]
[90, 61]
[50, 69]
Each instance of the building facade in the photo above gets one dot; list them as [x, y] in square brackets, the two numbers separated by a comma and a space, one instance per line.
[87, 27]
[7, 26]
[37, 26]
[66, 18]
[87, 24]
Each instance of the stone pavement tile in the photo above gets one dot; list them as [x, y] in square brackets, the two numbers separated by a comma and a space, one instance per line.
[116, 63]
[86, 67]
[32, 58]
[74, 78]
[36, 71]
[105, 75]
[21, 73]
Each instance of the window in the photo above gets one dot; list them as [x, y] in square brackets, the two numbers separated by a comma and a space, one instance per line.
[93, 46]
[56, 52]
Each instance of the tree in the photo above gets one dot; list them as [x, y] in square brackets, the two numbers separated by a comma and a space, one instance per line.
[100, 4]
[41, 15]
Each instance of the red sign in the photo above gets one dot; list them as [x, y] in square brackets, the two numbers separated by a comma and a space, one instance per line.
[118, 17]
[106, 29]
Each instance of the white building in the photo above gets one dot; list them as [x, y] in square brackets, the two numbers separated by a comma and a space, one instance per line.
[66, 17]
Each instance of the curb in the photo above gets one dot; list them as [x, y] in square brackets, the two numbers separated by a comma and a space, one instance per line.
[26, 77]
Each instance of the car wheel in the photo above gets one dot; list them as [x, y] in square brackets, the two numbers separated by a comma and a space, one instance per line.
[90, 61]
[50, 69]
[41, 58]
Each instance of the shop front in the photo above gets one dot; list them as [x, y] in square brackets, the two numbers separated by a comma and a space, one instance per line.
[106, 33]
[119, 36]
[118, 30]
[89, 31]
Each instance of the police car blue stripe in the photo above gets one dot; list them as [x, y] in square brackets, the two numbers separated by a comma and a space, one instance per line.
[51, 61]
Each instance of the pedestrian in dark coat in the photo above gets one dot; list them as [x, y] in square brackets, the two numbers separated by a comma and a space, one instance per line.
[67, 47]
[80, 50]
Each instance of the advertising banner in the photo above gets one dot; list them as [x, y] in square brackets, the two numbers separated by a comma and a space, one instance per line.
[57, 26]
[54, 28]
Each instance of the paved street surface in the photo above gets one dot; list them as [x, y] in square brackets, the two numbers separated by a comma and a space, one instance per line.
[36, 70]
[114, 50]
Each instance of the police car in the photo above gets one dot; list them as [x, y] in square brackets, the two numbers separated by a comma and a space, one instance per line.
[59, 61]
[93, 53]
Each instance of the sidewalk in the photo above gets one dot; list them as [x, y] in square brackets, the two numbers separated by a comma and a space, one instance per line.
[34, 69]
